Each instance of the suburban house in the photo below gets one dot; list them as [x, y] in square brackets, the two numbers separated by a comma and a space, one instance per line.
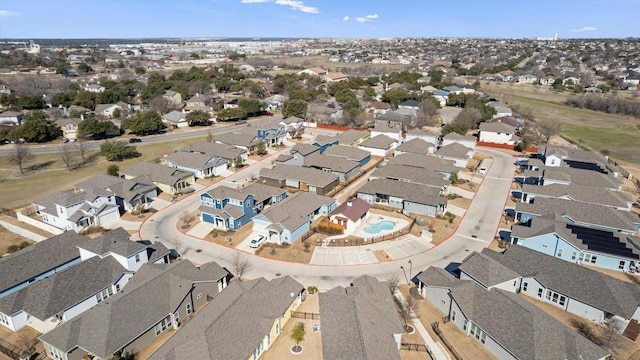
[411, 105]
[350, 214]
[315, 71]
[380, 145]
[377, 108]
[415, 146]
[244, 141]
[121, 325]
[175, 119]
[473, 310]
[288, 220]
[335, 77]
[324, 113]
[293, 126]
[197, 101]
[272, 133]
[173, 97]
[583, 193]
[76, 210]
[344, 168]
[258, 309]
[453, 89]
[412, 174]
[435, 284]
[569, 176]
[94, 88]
[307, 179]
[232, 104]
[362, 157]
[324, 142]
[365, 314]
[561, 156]
[299, 154]
[107, 110]
[501, 109]
[69, 127]
[498, 133]
[353, 137]
[457, 152]
[586, 293]
[590, 215]
[229, 208]
[200, 165]
[274, 102]
[168, 180]
[441, 97]
[11, 118]
[387, 129]
[130, 193]
[467, 141]
[442, 166]
[552, 235]
[409, 197]
[429, 137]
[227, 152]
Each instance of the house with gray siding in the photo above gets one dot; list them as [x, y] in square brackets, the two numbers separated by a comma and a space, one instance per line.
[467, 141]
[360, 321]
[241, 140]
[297, 177]
[557, 156]
[582, 193]
[443, 166]
[417, 133]
[456, 152]
[349, 153]
[409, 197]
[298, 154]
[412, 174]
[345, 169]
[353, 137]
[324, 142]
[288, 220]
[200, 165]
[415, 146]
[136, 315]
[169, 180]
[435, 284]
[226, 152]
[379, 145]
[569, 176]
[553, 235]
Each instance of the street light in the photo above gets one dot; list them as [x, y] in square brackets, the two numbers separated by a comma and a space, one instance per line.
[405, 274]
[410, 269]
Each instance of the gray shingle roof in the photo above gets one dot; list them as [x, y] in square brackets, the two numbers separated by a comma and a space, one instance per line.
[581, 177]
[259, 191]
[438, 277]
[350, 137]
[194, 160]
[64, 289]
[322, 140]
[39, 258]
[359, 322]
[497, 127]
[416, 193]
[423, 161]
[337, 164]
[583, 193]
[304, 149]
[294, 211]
[156, 251]
[115, 241]
[347, 152]
[582, 213]
[175, 116]
[520, 327]
[378, 142]
[578, 155]
[456, 136]
[454, 150]
[236, 139]
[310, 176]
[412, 174]
[227, 152]
[232, 325]
[157, 173]
[591, 287]
[486, 271]
[415, 146]
[115, 322]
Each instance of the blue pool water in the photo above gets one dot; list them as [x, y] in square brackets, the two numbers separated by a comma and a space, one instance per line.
[377, 228]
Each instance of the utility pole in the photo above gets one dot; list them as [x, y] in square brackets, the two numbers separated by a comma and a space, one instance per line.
[405, 274]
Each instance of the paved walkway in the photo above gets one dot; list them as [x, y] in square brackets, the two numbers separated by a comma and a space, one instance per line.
[455, 210]
[462, 192]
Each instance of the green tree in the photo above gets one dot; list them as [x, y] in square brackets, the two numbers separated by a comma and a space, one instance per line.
[198, 118]
[62, 69]
[156, 85]
[29, 101]
[238, 162]
[113, 170]
[36, 127]
[117, 113]
[396, 96]
[118, 150]
[232, 114]
[181, 88]
[454, 177]
[261, 148]
[143, 122]
[140, 70]
[557, 85]
[456, 128]
[253, 107]
[297, 335]
[95, 129]
[85, 99]
[64, 98]
[296, 108]
[369, 93]
[84, 67]
[223, 84]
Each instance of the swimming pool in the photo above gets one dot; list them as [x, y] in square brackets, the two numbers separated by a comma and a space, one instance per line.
[377, 228]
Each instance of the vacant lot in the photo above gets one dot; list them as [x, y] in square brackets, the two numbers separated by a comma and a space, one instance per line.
[46, 173]
[594, 130]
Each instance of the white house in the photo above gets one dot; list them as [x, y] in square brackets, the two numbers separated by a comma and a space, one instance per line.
[498, 133]
[350, 214]
[380, 145]
[69, 210]
[11, 118]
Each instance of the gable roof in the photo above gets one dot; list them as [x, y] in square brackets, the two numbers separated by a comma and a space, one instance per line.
[486, 271]
[416, 193]
[64, 289]
[359, 322]
[591, 287]
[116, 241]
[294, 211]
[411, 174]
[259, 191]
[525, 331]
[238, 139]
[175, 116]
[410, 103]
[347, 152]
[580, 176]
[353, 209]
[38, 258]
[226, 152]
[583, 193]
[454, 150]
[233, 324]
[457, 137]
[304, 149]
[497, 127]
[379, 142]
[115, 322]
[415, 146]
[322, 140]
[156, 172]
[310, 176]
[194, 160]
[334, 163]
[424, 161]
[438, 277]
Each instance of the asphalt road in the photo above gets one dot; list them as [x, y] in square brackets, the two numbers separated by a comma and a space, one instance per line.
[475, 232]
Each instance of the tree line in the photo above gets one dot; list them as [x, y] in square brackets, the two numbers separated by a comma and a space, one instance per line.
[610, 104]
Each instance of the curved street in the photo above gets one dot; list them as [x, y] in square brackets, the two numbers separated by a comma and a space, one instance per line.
[475, 231]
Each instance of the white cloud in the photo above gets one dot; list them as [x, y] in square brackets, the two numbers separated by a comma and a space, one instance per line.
[361, 19]
[366, 18]
[374, 16]
[5, 13]
[254, 1]
[585, 28]
[346, 18]
[298, 5]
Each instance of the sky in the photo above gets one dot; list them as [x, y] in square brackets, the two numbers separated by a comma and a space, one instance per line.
[36, 19]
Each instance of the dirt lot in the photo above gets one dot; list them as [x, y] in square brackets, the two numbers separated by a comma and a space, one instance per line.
[7, 238]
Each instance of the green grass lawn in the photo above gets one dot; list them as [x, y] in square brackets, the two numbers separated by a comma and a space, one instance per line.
[50, 174]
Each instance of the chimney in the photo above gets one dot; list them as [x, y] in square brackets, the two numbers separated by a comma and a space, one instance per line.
[349, 203]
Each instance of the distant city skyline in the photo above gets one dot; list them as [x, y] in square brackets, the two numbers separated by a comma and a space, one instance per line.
[36, 19]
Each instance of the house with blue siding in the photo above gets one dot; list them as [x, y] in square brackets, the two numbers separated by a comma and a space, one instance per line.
[231, 208]
[200, 165]
[299, 154]
[580, 213]
[552, 235]
[288, 220]
[324, 142]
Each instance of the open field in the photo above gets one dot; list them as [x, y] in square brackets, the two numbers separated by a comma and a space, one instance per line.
[48, 173]
[594, 130]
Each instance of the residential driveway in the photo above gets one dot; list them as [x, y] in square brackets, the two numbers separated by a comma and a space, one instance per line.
[458, 211]
[200, 230]
[127, 225]
[159, 204]
[244, 245]
[462, 192]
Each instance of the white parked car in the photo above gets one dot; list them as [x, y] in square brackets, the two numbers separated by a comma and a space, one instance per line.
[256, 241]
[482, 170]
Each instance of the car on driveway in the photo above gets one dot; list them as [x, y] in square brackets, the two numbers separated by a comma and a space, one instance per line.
[256, 241]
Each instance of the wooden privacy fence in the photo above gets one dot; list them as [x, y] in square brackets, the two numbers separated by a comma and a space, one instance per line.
[10, 350]
[413, 347]
[436, 328]
[305, 315]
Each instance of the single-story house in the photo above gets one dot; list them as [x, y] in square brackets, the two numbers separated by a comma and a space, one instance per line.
[107, 110]
[258, 309]
[175, 119]
[350, 213]
[11, 118]
[363, 313]
[168, 180]
[412, 174]
[344, 168]
[243, 141]
[288, 220]
[442, 166]
[299, 154]
[227, 152]
[377, 108]
[498, 133]
[583, 193]
[383, 128]
[350, 153]
[353, 137]
[457, 152]
[410, 104]
[307, 179]
[409, 197]
[415, 146]
[555, 156]
[200, 165]
[468, 141]
[380, 145]
[229, 208]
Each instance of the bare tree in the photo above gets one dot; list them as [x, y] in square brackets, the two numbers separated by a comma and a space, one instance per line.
[186, 219]
[160, 105]
[426, 111]
[180, 247]
[547, 129]
[240, 265]
[407, 311]
[20, 155]
[82, 148]
[469, 117]
[393, 281]
[67, 156]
